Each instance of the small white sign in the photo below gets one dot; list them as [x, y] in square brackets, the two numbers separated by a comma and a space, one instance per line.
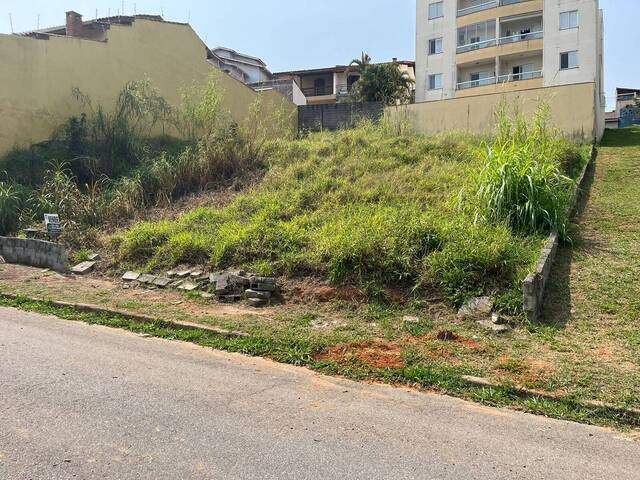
[52, 224]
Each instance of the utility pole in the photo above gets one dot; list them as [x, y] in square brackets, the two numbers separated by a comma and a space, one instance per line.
[38, 23]
[11, 23]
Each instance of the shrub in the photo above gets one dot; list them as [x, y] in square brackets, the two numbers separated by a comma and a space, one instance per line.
[11, 202]
[522, 184]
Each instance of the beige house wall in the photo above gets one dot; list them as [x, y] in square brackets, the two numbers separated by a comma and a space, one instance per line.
[38, 76]
[572, 111]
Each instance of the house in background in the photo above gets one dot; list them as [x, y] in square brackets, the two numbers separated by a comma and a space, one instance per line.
[332, 84]
[240, 66]
[626, 112]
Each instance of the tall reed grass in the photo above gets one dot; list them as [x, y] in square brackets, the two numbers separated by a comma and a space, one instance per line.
[524, 182]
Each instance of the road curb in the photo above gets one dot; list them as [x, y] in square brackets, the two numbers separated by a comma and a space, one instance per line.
[86, 308]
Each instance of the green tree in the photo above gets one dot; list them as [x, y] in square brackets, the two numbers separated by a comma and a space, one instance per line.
[380, 82]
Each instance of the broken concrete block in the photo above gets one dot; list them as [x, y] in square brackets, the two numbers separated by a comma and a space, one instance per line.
[264, 287]
[182, 273]
[476, 308]
[176, 283]
[410, 319]
[162, 282]
[2, 260]
[207, 296]
[497, 329]
[94, 257]
[188, 286]
[256, 294]
[83, 268]
[257, 302]
[147, 279]
[130, 276]
[196, 273]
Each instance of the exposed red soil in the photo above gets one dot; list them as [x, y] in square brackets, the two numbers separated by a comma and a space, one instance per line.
[388, 354]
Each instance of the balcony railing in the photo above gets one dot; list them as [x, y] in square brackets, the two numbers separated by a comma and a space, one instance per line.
[340, 89]
[521, 37]
[516, 77]
[476, 45]
[481, 5]
[513, 77]
[476, 83]
[478, 7]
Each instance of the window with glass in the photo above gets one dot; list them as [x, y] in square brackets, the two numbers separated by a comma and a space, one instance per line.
[569, 20]
[569, 60]
[436, 10]
[435, 46]
[435, 81]
[477, 36]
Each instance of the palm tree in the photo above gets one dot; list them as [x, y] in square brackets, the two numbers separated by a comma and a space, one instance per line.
[360, 65]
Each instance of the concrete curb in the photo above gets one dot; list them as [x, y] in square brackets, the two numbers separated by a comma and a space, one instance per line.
[81, 307]
[525, 392]
[534, 286]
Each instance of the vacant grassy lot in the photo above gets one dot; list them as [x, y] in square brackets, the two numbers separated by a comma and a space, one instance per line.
[375, 208]
[587, 348]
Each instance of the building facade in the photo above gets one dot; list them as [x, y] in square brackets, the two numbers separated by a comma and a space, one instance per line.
[242, 67]
[477, 47]
[333, 84]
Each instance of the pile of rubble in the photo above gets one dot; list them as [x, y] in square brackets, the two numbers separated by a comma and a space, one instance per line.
[227, 287]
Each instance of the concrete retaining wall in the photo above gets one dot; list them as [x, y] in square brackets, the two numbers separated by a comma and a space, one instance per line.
[533, 287]
[34, 253]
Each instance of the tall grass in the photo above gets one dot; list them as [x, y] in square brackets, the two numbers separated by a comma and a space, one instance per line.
[523, 184]
[363, 206]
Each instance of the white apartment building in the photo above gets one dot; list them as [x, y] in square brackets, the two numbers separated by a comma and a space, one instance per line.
[477, 47]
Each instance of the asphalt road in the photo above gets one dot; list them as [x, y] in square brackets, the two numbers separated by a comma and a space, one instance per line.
[79, 401]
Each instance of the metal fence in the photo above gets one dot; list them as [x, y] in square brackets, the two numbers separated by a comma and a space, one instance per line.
[338, 115]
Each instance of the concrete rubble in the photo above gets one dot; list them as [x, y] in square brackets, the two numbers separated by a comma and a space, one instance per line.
[226, 286]
[83, 268]
[480, 310]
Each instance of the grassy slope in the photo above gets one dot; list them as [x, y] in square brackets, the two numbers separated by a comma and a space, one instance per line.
[594, 308]
[364, 206]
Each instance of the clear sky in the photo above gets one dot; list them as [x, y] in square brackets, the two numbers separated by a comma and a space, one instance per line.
[296, 34]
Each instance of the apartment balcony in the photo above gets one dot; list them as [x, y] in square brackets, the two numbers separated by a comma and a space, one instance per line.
[507, 45]
[500, 84]
[474, 11]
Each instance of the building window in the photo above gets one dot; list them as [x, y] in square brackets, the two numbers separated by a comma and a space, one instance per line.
[435, 81]
[569, 60]
[435, 46]
[436, 10]
[569, 20]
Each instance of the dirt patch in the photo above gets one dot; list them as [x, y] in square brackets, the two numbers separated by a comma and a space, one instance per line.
[375, 354]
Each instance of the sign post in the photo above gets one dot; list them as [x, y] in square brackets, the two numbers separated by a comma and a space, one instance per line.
[52, 225]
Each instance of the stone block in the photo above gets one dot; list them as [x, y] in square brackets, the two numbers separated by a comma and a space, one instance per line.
[188, 286]
[147, 279]
[130, 276]
[162, 282]
[83, 268]
[256, 294]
